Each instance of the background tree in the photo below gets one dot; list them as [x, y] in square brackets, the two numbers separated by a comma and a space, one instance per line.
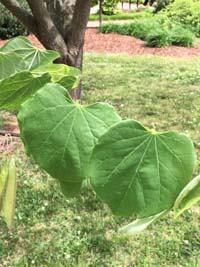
[58, 24]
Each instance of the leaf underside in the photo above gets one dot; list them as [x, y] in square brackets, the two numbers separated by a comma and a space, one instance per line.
[189, 196]
[139, 225]
[136, 171]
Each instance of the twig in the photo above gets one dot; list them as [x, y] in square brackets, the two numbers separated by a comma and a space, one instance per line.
[5, 133]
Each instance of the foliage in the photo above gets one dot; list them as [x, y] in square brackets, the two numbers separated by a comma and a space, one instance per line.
[94, 3]
[144, 159]
[181, 36]
[186, 12]
[157, 32]
[109, 6]
[189, 196]
[145, 170]
[122, 16]
[26, 68]
[9, 24]
[158, 38]
[54, 231]
[71, 161]
[139, 28]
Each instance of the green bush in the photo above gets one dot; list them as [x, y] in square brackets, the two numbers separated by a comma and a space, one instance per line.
[9, 25]
[182, 37]
[157, 32]
[109, 6]
[186, 12]
[158, 38]
[141, 28]
[138, 28]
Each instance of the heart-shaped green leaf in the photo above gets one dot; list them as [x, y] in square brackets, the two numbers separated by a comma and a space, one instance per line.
[10, 63]
[138, 171]
[189, 196]
[66, 76]
[61, 134]
[33, 56]
[17, 88]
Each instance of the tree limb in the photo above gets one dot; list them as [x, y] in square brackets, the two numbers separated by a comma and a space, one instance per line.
[79, 21]
[22, 14]
[47, 31]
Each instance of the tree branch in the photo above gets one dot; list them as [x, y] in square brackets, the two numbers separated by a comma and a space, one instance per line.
[79, 22]
[47, 31]
[22, 14]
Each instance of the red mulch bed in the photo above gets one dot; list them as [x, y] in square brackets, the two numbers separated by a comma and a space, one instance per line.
[114, 43]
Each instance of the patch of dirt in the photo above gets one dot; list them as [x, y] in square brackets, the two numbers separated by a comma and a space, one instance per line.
[115, 43]
[8, 142]
[10, 123]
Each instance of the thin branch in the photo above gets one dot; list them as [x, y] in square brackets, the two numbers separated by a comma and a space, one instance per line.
[21, 13]
[4, 133]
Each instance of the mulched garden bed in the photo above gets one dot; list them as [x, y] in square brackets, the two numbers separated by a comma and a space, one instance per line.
[115, 43]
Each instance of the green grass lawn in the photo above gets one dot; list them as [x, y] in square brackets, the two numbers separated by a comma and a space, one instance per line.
[54, 232]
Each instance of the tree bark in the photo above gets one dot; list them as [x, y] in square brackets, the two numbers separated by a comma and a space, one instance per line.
[59, 25]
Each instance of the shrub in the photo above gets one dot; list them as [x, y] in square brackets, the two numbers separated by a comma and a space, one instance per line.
[182, 37]
[141, 28]
[157, 32]
[186, 12]
[109, 6]
[10, 25]
[138, 28]
[158, 38]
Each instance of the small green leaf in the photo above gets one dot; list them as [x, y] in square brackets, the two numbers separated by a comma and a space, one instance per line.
[139, 225]
[138, 171]
[17, 88]
[70, 189]
[10, 63]
[189, 196]
[10, 195]
[60, 134]
[33, 56]
[66, 76]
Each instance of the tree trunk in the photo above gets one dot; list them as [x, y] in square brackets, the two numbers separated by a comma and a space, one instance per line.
[59, 25]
